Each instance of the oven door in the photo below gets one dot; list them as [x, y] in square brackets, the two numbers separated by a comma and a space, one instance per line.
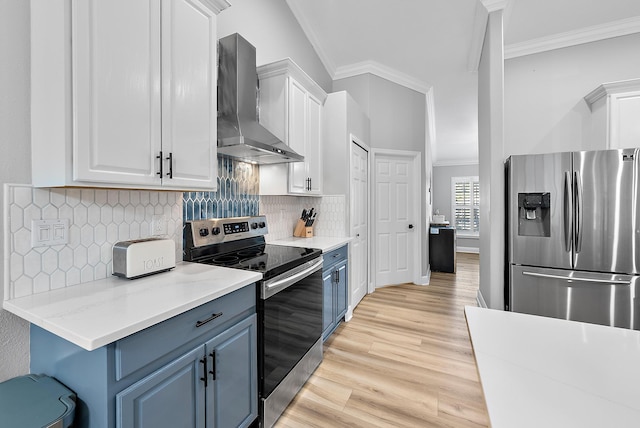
[290, 312]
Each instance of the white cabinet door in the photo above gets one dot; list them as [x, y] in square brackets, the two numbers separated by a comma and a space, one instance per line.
[189, 98]
[624, 120]
[297, 136]
[124, 93]
[313, 149]
[116, 91]
[291, 107]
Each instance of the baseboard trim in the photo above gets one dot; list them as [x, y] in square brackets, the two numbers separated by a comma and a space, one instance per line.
[424, 280]
[480, 300]
[472, 250]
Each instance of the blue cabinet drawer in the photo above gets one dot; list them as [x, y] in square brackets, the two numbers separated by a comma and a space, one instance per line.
[335, 256]
[142, 348]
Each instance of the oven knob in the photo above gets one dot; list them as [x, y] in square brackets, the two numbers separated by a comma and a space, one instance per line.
[254, 225]
[262, 224]
[215, 230]
[204, 232]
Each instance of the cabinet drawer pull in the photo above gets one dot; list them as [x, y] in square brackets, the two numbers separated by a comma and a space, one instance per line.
[211, 318]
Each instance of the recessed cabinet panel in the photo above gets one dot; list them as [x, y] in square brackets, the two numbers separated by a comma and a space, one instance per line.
[233, 401]
[297, 136]
[313, 150]
[170, 397]
[116, 90]
[189, 94]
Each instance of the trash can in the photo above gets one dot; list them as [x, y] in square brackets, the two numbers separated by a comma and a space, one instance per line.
[36, 401]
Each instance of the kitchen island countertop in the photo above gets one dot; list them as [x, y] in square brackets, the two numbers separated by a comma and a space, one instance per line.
[97, 313]
[546, 372]
[324, 243]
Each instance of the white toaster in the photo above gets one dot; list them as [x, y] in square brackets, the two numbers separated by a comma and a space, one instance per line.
[141, 257]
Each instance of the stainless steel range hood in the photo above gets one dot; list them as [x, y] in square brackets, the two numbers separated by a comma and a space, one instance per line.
[239, 133]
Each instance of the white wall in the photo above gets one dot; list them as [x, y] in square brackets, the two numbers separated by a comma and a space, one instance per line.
[270, 26]
[544, 106]
[490, 144]
[398, 122]
[15, 161]
[441, 189]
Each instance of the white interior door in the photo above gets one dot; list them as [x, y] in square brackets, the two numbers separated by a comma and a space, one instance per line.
[359, 223]
[395, 231]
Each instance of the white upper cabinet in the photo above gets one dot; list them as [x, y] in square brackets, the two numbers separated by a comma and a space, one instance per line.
[291, 108]
[124, 93]
[615, 112]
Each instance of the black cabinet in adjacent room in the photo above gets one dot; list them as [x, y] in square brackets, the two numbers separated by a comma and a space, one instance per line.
[442, 249]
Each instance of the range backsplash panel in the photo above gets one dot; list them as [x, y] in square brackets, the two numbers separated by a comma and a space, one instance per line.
[237, 195]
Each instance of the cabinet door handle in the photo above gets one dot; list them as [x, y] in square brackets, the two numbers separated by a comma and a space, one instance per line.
[204, 378]
[213, 365]
[337, 276]
[211, 318]
[170, 159]
[160, 157]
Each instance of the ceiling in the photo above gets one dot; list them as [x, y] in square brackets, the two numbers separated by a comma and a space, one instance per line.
[433, 46]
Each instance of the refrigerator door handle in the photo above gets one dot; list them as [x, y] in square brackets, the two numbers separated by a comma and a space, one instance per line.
[576, 279]
[568, 210]
[578, 210]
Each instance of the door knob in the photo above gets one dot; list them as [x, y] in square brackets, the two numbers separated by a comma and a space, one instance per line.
[410, 226]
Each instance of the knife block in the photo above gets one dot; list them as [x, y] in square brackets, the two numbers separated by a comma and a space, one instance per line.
[303, 231]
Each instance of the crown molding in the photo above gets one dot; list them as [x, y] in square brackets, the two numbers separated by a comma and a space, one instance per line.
[383, 71]
[456, 162]
[594, 33]
[477, 38]
[631, 85]
[493, 5]
[312, 36]
[217, 6]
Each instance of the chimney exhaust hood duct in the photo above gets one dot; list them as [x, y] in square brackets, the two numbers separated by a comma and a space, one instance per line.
[239, 133]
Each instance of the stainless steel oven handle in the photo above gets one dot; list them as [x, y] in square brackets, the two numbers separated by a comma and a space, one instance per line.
[278, 284]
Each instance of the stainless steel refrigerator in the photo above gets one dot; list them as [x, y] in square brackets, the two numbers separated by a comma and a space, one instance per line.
[573, 228]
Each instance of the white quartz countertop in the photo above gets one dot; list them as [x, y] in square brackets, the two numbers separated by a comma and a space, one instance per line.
[545, 372]
[97, 313]
[323, 243]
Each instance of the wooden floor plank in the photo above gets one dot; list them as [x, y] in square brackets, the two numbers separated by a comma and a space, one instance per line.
[404, 360]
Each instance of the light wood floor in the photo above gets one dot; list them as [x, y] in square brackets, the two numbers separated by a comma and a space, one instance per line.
[404, 360]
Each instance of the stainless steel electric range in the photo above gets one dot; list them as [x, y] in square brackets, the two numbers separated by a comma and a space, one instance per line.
[289, 301]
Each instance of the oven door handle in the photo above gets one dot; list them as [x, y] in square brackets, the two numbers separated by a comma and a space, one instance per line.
[277, 284]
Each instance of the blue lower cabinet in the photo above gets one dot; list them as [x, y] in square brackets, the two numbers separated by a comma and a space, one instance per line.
[335, 288]
[173, 396]
[231, 395]
[328, 307]
[193, 370]
[220, 373]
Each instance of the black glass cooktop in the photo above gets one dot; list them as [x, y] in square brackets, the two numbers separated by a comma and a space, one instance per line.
[270, 260]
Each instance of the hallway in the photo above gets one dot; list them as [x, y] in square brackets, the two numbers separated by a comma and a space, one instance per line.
[404, 360]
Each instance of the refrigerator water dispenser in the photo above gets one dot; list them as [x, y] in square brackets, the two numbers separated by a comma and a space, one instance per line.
[534, 217]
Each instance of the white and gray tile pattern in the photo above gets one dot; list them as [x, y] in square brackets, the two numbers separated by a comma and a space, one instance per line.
[98, 218]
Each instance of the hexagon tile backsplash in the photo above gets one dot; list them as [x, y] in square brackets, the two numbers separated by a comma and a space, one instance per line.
[98, 218]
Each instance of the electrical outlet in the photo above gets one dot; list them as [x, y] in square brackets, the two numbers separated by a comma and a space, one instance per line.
[45, 233]
[158, 225]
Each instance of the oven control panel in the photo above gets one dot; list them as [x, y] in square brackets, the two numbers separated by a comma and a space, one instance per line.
[219, 230]
[231, 228]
